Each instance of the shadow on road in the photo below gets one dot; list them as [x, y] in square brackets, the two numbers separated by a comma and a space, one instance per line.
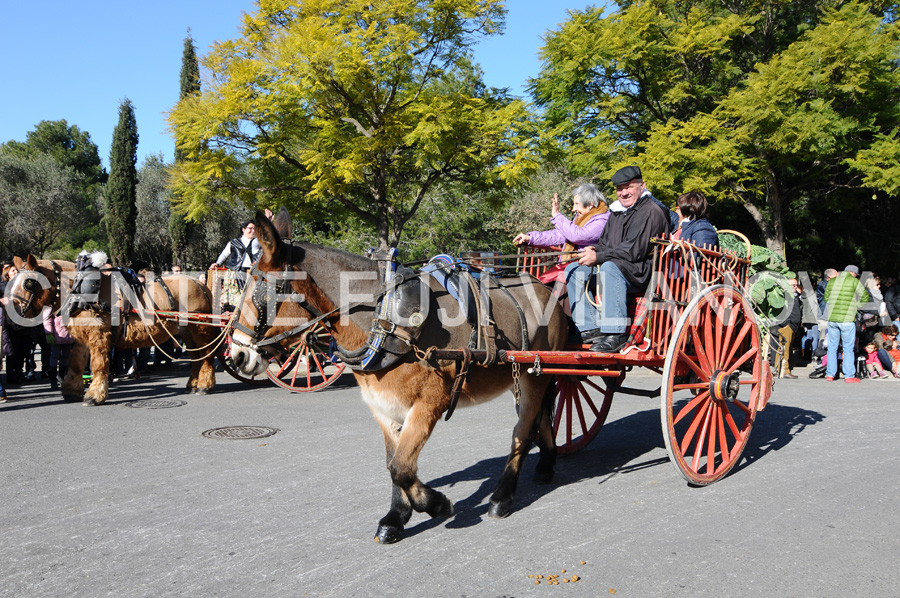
[618, 450]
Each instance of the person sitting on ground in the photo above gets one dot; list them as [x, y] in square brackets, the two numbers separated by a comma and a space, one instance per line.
[873, 364]
[591, 214]
[625, 259]
[693, 226]
[884, 342]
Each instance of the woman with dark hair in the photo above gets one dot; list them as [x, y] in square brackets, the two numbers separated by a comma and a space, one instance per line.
[694, 226]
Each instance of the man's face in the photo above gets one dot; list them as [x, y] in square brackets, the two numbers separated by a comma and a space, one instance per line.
[250, 231]
[630, 192]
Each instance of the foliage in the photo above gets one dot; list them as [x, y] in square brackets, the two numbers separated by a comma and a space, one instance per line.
[768, 288]
[367, 105]
[152, 243]
[764, 104]
[39, 202]
[120, 192]
[181, 231]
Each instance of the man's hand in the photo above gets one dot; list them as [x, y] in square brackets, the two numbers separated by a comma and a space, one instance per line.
[587, 257]
[554, 209]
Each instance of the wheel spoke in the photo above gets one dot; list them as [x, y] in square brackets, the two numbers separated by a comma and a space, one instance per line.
[701, 354]
[732, 424]
[703, 396]
[701, 438]
[693, 365]
[589, 402]
[691, 386]
[713, 435]
[723, 437]
[692, 429]
[751, 352]
[745, 329]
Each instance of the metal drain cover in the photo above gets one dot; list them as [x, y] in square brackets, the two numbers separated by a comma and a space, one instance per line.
[240, 432]
[156, 403]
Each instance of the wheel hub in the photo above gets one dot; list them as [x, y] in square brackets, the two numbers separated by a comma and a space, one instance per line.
[724, 386]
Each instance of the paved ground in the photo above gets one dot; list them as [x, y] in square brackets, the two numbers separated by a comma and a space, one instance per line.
[134, 502]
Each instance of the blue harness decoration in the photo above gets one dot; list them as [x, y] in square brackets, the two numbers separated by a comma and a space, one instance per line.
[379, 332]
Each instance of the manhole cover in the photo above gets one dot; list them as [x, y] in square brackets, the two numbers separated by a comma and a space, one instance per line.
[240, 432]
[156, 403]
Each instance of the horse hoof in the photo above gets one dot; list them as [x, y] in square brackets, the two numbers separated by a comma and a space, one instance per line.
[443, 510]
[542, 478]
[201, 391]
[72, 398]
[91, 403]
[388, 534]
[499, 510]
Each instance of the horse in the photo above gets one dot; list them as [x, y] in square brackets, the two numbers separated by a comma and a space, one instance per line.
[408, 397]
[109, 321]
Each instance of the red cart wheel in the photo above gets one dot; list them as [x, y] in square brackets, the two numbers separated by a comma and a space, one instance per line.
[712, 380]
[312, 365]
[579, 416]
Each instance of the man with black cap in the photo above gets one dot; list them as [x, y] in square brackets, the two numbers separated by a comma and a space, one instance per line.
[625, 260]
[843, 296]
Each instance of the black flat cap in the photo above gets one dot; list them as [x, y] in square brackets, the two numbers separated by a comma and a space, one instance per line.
[625, 175]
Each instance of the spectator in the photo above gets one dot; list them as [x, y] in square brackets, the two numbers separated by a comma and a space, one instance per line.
[625, 260]
[843, 296]
[820, 297]
[892, 301]
[591, 214]
[884, 342]
[788, 330]
[242, 252]
[873, 364]
[59, 343]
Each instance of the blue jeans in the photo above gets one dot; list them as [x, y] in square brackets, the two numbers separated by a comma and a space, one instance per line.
[845, 334]
[613, 317]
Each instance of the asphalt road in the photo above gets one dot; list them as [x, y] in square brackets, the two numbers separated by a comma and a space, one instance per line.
[134, 502]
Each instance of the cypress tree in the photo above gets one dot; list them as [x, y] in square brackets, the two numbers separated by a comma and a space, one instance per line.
[180, 230]
[121, 189]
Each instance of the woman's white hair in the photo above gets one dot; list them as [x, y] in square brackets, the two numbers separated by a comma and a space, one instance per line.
[590, 195]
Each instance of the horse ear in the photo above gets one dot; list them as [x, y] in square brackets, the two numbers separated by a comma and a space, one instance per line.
[282, 223]
[268, 238]
[30, 262]
[18, 262]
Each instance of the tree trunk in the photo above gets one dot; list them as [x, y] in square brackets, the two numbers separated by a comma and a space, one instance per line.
[772, 225]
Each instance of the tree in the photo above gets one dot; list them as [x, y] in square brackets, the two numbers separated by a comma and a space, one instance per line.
[152, 243]
[180, 229]
[120, 194]
[765, 103]
[39, 202]
[367, 104]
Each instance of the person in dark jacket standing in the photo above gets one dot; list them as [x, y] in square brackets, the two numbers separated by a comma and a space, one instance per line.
[788, 330]
[625, 259]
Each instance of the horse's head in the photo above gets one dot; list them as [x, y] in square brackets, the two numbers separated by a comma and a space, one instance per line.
[33, 288]
[272, 311]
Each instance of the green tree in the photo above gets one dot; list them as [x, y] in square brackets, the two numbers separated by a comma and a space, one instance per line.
[39, 202]
[120, 193]
[180, 229]
[366, 104]
[152, 243]
[765, 103]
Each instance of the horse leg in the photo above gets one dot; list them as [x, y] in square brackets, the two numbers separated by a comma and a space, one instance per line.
[390, 527]
[546, 439]
[98, 391]
[530, 409]
[73, 383]
[203, 377]
[403, 467]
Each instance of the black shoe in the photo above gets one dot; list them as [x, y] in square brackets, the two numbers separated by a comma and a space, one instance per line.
[592, 335]
[610, 343]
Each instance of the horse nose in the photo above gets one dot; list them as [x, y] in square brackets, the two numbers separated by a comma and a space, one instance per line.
[239, 358]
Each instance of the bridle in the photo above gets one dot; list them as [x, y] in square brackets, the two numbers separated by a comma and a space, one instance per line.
[33, 287]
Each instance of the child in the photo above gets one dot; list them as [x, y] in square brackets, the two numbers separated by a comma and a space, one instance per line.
[894, 352]
[873, 364]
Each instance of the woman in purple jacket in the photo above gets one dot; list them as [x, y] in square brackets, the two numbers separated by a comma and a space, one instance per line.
[591, 214]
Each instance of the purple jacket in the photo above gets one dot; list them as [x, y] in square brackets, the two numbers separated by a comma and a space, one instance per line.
[566, 230]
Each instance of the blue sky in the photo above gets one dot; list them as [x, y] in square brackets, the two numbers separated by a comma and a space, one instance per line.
[78, 60]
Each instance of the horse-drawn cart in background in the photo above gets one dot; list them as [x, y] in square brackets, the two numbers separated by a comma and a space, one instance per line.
[696, 327]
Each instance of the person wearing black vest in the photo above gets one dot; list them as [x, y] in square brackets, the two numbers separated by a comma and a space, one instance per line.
[240, 253]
